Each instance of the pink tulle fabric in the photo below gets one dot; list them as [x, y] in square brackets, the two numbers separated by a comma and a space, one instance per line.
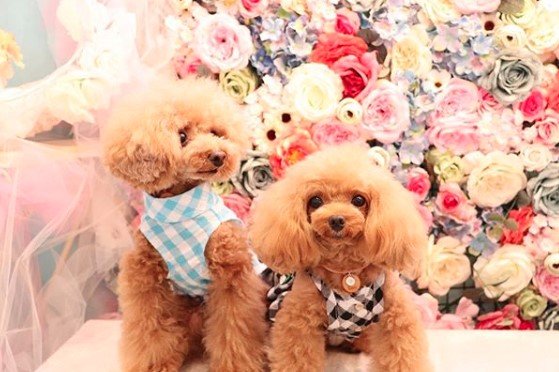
[64, 221]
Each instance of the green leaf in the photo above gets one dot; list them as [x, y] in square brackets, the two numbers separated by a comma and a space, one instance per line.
[495, 233]
[511, 6]
[495, 217]
[511, 224]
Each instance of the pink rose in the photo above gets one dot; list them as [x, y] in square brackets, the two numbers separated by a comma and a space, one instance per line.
[452, 201]
[428, 307]
[458, 97]
[252, 8]
[291, 150]
[239, 204]
[462, 317]
[533, 107]
[544, 131]
[488, 101]
[347, 22]
[547, 284]
[476, 6]
[221, 43]
[358, 74]
[325, 134]
[426, 215]
[419, 183]
[386, 113]
[187, 65]
[459, 134]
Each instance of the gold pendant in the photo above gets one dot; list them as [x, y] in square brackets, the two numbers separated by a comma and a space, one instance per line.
[351, 283]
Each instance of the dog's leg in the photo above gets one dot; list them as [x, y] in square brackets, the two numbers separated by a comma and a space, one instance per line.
[298, 340]
[398, 343]
[159, 327]
[235, 325]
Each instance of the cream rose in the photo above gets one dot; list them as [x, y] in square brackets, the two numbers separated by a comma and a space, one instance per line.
[446, 265]
[508, 271]
[379, 156]
[524, 18]
[297, 6]
[535, 157]
[349, 111]
[411, 54]
[314, 91]
[543, 35]
[510, 37]
[440, 11]
[496, 179]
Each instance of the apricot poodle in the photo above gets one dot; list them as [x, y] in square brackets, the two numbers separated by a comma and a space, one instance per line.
[345, 228]
[189, 282]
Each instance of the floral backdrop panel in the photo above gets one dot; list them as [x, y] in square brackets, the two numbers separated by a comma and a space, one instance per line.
[458, 98]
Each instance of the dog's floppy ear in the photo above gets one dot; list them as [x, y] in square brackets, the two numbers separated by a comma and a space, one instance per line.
[279, 229]
[395, 231]
[135, 162]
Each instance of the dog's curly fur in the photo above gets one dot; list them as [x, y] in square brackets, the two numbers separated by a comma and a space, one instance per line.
[142, 145]
[386, 234]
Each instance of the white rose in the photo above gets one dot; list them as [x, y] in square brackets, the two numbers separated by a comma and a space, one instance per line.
[440, 11]
[525, 18]
[445, 266]
[349, 111]
[535, 157]
[471, 160]
[510, 37]
[508, 271]
[543, 35]
[496, 180]
[411, 54]
[73, 97]
[379, 156]
[297, 6]
[314, 90]
[221, 43]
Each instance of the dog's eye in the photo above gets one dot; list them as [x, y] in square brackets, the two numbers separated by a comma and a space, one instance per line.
[183, 137]
[315, 202]
[358, 201]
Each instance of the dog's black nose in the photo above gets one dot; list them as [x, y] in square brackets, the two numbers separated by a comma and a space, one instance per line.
[336, 223]
[216, 158]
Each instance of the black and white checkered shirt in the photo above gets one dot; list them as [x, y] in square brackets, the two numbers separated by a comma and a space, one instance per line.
[348, 315]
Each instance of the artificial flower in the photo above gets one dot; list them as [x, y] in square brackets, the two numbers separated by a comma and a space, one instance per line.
[9, 53]
[535, 157]
[332, 133]
[221, 43]
[332, 47]
[238, 83]
[531, 304]
[510, 37]
[547, 284]
[449, 168]
[505, 273]
[419, 183]
[379, 156]
[451, 201]
[523, 218]
[314, 91]
[544, 190]
[445, 265]
[525, 17]
[496, 180]
[358, 74]
[543, 34]
[476, 6]
[386, 113]
[349, 111]
[533, 107]
[254, 174]
[291, 150]
[239, 204]
[545, 130]
[411, 54]
[506, 318]
[440, 11]
[513, 76]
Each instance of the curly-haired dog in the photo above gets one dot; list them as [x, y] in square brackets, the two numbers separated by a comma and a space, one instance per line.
[190, 279]
[344, 227]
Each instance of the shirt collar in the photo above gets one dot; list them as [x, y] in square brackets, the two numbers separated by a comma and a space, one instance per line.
[181, 207]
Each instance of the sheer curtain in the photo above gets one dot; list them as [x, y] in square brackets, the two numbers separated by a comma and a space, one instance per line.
[64, 221]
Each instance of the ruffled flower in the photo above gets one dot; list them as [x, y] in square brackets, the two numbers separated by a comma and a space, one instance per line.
[386, 113]
[544, 190]
[332, 133]
[476, 6]
[445, 265]
[535, 157]
[238, 83]
[239, 204]
[255, 174]
[506, 318]
[508, 271]
[531, 304]
[451, 201]
[411, 54]
[548, 284]
[349, 111]
[291, 150]
[221, 43]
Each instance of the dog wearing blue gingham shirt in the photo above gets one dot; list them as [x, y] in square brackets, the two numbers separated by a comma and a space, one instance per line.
[179, 228]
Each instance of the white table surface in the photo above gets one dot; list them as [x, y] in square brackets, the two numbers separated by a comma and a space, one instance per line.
[94, 349]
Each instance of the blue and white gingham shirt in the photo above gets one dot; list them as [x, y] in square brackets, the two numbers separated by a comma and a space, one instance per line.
[179, 228]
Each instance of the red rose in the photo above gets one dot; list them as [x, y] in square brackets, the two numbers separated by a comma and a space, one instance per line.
[523, 218]
[533, 107]
[347, 22]
[332, 47]
[506, 318]
[419, 183]
[359, 74]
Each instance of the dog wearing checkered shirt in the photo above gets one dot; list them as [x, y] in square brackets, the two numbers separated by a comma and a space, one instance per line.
[188, 286]
[345, 228]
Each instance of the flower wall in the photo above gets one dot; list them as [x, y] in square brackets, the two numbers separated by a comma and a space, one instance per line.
[458, 98]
